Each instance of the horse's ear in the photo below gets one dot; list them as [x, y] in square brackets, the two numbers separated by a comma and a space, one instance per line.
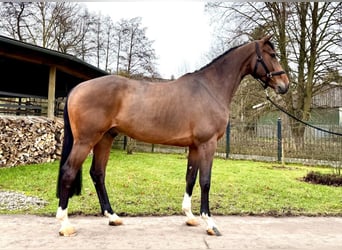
[267, 38]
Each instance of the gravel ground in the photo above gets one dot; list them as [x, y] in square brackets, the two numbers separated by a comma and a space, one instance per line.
[10, 200]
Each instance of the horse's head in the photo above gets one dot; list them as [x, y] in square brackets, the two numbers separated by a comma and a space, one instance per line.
[267, 68]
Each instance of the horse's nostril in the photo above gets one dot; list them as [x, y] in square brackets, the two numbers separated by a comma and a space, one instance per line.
[282, 89]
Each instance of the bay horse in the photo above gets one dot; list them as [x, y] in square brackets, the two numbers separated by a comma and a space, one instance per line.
[191, 111]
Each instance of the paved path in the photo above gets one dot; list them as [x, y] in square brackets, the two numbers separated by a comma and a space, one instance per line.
[34, 232]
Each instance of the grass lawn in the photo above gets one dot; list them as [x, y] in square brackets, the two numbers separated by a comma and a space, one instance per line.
[154, 184]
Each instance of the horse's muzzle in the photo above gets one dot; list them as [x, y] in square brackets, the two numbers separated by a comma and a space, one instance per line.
[282, 88]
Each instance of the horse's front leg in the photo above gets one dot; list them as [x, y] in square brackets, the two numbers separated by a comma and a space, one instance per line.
[101, 153]
[205, 179]
[206, 156]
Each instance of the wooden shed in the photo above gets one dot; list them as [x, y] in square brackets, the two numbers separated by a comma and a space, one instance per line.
[30, 71]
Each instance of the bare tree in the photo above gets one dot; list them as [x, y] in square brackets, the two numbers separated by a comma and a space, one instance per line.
[98, 38]
[14, 19]
[109, 45]
[54, 25]
[85, 48]
[120, 36]
[69, 28]
[308, 37]
[135, 54]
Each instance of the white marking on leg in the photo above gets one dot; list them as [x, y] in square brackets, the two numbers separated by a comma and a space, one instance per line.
[62, 216]
[186, 206]
[114, 219]
[66, 228]
[209, 221]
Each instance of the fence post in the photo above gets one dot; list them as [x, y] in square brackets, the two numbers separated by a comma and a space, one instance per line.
[125, 142]
[279, 137]
[228, 140]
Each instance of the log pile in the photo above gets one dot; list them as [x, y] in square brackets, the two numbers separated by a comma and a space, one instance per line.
[29, 140]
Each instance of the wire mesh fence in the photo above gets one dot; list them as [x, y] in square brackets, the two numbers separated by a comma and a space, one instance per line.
[315, 144]
[279, 143]
[271, 142]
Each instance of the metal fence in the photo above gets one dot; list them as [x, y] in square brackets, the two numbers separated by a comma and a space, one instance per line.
[267, 143]
[277, 143]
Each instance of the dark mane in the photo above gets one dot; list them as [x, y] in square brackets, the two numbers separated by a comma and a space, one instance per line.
[219, 57]
[227, 52]
[270, 44]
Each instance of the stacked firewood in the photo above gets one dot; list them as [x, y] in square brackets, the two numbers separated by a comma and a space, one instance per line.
[29, 139]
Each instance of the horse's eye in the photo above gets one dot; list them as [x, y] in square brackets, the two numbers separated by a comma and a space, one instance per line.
[273, 55]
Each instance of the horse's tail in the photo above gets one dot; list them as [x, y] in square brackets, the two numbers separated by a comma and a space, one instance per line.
[66, 149]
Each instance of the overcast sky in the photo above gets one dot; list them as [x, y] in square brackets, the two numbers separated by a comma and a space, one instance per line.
[180, 30]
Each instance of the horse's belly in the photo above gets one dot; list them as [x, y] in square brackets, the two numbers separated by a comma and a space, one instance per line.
[157, 133]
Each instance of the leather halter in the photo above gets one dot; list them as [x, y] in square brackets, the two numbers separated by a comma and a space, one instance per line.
[269, 75]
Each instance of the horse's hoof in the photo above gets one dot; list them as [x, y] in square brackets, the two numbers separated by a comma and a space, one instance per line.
[213, 231]
[117, 222]
[192, 222]
[67, 232]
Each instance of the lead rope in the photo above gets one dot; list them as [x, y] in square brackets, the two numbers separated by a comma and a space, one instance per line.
[297, 119]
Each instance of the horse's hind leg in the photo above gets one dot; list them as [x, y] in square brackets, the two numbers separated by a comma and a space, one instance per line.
[101, 153]
[71, 167]
[191, 175]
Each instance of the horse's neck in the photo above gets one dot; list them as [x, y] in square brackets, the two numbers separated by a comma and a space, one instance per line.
[225, 74]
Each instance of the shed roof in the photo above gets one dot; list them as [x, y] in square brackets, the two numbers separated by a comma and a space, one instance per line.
[25, 69]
